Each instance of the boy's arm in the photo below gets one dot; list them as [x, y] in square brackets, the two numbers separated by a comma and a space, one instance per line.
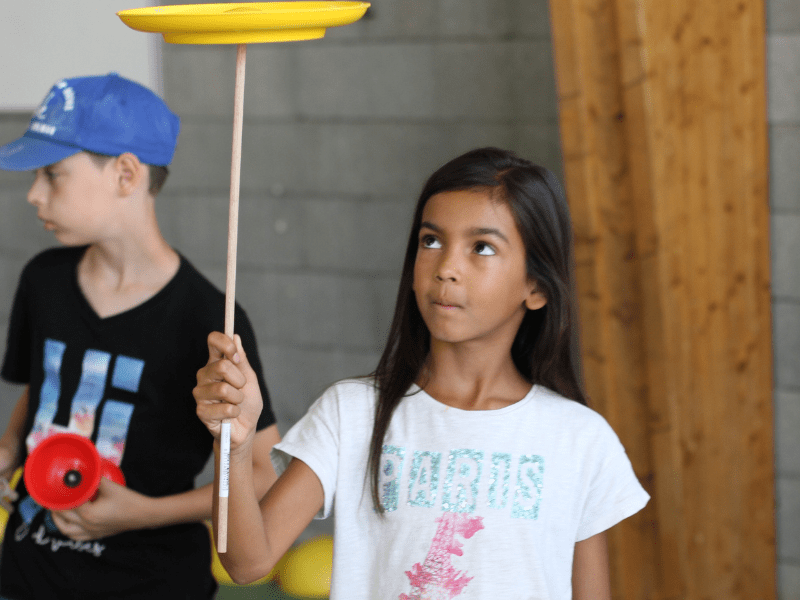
[119, 509]
[590, 576]
[11, 441]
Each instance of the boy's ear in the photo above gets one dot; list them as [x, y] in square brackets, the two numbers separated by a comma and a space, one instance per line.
[129, 173]
[535, 299]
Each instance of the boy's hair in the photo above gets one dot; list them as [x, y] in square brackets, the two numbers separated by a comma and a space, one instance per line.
[542, 350]
[157, 173]
[104, 114]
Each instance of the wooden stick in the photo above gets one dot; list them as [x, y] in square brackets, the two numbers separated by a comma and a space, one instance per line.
[230, 286]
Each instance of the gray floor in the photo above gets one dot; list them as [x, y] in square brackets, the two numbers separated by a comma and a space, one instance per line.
[267, 591]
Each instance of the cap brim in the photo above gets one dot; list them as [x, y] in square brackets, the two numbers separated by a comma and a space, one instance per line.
[30, 153]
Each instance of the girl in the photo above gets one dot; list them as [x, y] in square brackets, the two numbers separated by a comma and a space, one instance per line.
[468, 464]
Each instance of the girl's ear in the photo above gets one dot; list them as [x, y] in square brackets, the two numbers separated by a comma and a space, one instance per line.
[129, 173]
[535, 299]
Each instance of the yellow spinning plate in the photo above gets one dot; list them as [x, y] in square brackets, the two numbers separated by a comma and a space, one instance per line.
[243, 23]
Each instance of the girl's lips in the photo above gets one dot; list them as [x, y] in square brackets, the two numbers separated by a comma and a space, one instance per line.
[445, 304]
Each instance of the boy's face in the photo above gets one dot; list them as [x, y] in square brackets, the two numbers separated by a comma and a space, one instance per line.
[74, 198]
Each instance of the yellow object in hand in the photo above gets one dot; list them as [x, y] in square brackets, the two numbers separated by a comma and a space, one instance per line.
[8, 495]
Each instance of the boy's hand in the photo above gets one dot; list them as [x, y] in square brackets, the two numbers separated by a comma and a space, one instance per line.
[7, 495]
[7, 467]
[227, 388]
[116, 509]
[8, 462]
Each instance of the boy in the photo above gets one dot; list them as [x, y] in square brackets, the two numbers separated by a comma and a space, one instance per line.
[108, 334]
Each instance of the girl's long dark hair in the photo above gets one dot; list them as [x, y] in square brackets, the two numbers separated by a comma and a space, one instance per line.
[542, 349]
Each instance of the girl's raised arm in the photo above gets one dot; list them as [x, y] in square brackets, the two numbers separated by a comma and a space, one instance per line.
[257, 535]
[284, 513]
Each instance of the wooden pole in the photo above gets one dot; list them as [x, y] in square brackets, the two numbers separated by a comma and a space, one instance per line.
[230, 284]
[663, 127]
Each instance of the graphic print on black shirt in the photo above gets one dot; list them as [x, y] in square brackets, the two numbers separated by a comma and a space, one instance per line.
[112, 431]
[115, 417]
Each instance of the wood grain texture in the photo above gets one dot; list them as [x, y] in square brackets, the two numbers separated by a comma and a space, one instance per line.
[230, 276]
[664, 137]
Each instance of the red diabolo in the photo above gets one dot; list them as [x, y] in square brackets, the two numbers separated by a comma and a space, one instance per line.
[64, 471]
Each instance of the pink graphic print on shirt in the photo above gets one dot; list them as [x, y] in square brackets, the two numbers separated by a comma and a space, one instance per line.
[437, 578]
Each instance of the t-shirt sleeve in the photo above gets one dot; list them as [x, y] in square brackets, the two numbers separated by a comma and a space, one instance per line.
[245, 330]
[16, 364]
[314, 439]
[614, 493]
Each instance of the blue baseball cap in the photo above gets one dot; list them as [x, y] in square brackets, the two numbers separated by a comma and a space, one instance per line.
[106, 114]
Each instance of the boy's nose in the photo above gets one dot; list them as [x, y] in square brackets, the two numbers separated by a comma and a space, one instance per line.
[34, 196]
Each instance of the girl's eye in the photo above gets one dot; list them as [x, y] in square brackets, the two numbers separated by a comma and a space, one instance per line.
[484, 249]
[50, 175]
[430, 241]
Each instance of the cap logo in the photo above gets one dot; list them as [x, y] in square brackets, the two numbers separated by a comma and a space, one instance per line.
[42, 110]
[69, 99]
[43, 128]
[38, 123]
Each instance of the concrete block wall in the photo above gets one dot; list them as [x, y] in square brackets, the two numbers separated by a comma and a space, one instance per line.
[339, 135]
[783, 53]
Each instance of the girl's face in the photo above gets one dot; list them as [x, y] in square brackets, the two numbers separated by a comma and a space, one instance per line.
[470, 279]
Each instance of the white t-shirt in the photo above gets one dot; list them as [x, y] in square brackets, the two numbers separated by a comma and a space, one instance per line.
[479, 504]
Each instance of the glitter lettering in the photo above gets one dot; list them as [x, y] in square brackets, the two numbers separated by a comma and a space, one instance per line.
[528, 493]
[498, 480]
[465, 481]
[461, 480]
[391, 472]
[424, 479]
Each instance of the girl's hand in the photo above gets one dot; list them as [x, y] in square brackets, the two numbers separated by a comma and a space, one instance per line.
[116, 509]
[227, 388]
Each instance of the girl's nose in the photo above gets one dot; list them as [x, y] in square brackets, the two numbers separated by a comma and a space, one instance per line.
[448, 269]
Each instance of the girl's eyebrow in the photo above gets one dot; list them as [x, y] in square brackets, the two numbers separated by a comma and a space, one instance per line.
[479, 231]
[431, 226]
[476, 232]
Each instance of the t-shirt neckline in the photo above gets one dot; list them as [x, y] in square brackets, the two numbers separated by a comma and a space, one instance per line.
[416, 391]
[134, 310]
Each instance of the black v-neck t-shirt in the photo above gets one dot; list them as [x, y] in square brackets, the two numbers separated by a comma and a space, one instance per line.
[124, 381]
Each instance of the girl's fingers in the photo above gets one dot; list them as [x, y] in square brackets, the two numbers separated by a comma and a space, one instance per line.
[222, 385]
[240, 356]
[217, 392]
[221, 346]
[221, 370]
[217, 412]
